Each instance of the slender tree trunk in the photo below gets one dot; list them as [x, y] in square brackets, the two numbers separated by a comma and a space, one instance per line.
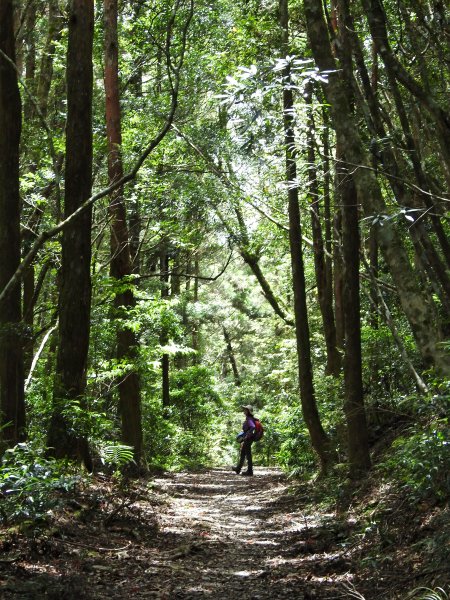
[55, 26]
[231, 357]
[135, 233]
[253, 262]
[333, 365]
[415, 303]
[12, 405]
[358, 437]
[33, 222]
[165, 363]
[338, 277]
[30, 58]
[328, 218]
[196, 325]
[75, 290]
[121, 265]
[377, 22]
[319, 439]
[18, 35]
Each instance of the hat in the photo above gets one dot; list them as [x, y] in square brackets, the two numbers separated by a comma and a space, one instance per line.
[249, 407]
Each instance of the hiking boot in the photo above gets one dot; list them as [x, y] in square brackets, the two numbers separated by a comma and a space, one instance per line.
[236, 470]
[247, 474]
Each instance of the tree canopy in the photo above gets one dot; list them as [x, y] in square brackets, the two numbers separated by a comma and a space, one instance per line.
[205, 205]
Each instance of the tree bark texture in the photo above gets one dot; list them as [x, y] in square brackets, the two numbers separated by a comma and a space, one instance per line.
[121, 265]
[196, 337]
[329, 277]
[55, 26]
[324, 288]
[165, 362]
[75, 289]
[358, 437]
[415, 303]
[12, 405]
[376, 17]
[319, 438]
[369, 88]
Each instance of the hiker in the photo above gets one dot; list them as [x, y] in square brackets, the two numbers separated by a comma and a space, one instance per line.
[247, 437]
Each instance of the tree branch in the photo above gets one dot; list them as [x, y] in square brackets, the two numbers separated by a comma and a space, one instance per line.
[53, 231]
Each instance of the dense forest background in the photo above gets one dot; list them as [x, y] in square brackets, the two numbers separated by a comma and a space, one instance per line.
[204, 205]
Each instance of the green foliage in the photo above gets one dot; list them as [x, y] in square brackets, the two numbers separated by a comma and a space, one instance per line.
[424, 593]
[420, 460]
[30, 484]
[117, 455]
[183, 434]
[294, 451]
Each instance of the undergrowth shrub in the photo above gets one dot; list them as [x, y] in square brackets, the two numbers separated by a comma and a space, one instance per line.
[420, 460]
[183, 434]
[30, 484]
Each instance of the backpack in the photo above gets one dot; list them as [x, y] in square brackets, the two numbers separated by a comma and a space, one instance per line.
[259, 430]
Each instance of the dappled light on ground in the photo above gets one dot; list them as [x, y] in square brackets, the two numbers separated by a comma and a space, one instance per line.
[197, 535]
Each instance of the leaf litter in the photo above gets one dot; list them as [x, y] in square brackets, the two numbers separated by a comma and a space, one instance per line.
[199, 535]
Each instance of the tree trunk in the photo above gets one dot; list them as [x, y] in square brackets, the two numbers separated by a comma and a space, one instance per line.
[30, 58]
[358, 437]
[415, 303]
[338, 278]
[354, 410]
[333, 365]
[12, 405]
[231, 357]
[378, 27]
[319, 439]
[121, 266]
[165, 363]
[328, 219]
[75, 290]
[55, 26]
[196, 324]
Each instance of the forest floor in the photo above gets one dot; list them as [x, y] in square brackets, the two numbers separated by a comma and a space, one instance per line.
[216, 534]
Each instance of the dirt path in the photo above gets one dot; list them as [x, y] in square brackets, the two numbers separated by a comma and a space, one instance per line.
[237, 537]
[184, 536]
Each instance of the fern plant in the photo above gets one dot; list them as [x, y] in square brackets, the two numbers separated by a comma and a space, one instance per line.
[116, 455]
[424, 593]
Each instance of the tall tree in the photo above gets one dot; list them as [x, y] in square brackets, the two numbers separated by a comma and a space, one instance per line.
[376, 17]
[75, 287]
[55, 26]
[323, 274]
[415, 302]
[121, 263]
[164, 267]
[231, 356]
[319, 438]
[355, 414]
[358, 435]
[12, 404]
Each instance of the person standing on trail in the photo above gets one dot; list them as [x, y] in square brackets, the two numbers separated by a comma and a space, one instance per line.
[246, 437]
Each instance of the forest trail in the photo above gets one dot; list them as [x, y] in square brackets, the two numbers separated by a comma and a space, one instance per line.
[237, 537]
[188, 536]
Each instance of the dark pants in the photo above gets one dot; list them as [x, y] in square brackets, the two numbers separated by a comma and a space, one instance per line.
[246, 453]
